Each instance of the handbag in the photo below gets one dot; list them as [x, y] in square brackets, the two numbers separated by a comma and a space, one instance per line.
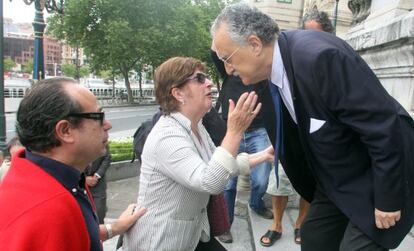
[218, 216]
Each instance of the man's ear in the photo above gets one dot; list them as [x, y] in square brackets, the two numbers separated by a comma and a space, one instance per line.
[178, 94]
[255, 43]
[64, 131]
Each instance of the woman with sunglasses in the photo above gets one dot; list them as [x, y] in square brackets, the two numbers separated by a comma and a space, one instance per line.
[181, 167]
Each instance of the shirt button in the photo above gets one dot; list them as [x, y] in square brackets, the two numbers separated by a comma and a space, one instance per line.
[74, 190]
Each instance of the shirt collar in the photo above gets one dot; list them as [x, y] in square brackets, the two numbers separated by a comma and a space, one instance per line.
[277, 67]
[68, 176]
[183, 120]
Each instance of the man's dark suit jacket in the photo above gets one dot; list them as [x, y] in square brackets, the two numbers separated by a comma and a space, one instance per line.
[99, 166]
[362, 156]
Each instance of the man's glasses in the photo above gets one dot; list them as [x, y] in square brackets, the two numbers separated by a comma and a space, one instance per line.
[226, 60]
[200, 77]
[89, 115]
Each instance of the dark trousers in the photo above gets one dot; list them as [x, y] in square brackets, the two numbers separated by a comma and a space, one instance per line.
[101, 208]
[212, 245]
[326, 228]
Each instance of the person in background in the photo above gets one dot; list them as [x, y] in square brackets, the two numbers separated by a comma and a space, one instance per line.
[44, 202]
[13, 146]
[96, 180]
[254, 139]
[181, 166]
[1, 157]
[317, 20]
[344, 142]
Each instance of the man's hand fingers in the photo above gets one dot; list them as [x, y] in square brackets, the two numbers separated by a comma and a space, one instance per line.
[385, 220]
[140, 212]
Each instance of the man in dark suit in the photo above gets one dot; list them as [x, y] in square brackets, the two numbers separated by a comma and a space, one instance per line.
[96, 180]
[346, 141]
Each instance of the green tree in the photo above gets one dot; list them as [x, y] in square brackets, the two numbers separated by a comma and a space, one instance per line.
[68, 70]
[84, 71]
[71, 27]
[9, 64]
[28, 67]
[130, 34]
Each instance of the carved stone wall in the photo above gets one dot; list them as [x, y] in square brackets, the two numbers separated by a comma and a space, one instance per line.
[389, 51]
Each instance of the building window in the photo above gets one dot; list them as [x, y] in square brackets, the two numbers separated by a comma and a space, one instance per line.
[284, 1]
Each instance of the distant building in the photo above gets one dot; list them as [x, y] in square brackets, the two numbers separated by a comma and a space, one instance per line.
[18, 47]
[52, 49]
[69, 55]
[287, 13]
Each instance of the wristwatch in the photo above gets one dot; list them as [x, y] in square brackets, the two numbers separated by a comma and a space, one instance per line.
[109, 231]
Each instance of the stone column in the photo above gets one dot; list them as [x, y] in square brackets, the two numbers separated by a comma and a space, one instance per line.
[385, 39]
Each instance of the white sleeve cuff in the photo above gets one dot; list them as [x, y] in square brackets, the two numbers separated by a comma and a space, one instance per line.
[243, 163]
[226, 160]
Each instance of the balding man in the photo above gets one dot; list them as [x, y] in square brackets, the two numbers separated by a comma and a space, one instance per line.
[44, 202]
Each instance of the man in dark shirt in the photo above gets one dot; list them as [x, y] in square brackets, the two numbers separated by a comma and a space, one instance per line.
[96, 180]
[45, 205]
[254, 139]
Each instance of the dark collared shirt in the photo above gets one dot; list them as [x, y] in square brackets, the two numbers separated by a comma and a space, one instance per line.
[74, 182]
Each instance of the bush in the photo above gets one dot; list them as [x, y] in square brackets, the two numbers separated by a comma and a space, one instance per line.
[121, 150]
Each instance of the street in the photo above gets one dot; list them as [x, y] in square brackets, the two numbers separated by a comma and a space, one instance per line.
[125, 120]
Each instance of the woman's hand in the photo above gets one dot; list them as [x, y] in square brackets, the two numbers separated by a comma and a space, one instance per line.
[239, 118]
[242, 114]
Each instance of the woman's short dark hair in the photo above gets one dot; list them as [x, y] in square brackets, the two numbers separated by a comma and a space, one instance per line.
[173, 73]
[41, 109]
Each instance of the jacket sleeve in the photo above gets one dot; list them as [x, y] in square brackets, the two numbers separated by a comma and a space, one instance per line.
[105, 164]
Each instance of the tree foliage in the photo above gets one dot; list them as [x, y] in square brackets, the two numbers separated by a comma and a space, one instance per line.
[9, 64]
[120, 36]
[69, 70]
[28, 67]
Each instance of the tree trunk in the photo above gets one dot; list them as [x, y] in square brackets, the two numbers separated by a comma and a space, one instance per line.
[77, 65]
[128, 86]
[140, 82]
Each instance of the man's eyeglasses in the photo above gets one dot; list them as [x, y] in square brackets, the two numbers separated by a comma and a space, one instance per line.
[226, 60]
[89, 115]
[200, 77]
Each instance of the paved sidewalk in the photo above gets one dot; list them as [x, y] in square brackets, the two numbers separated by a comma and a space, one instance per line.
[247, 226]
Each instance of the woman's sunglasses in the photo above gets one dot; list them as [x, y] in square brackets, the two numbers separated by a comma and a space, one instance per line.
[200, 77]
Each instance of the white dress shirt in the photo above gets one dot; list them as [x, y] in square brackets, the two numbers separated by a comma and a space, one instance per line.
[280, 79]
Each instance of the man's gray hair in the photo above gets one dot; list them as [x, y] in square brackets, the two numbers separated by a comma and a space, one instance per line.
[321, 18]
[244, 20]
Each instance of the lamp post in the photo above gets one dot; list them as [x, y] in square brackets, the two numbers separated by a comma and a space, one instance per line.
[335, 16]
[2, 116]
[38, 27]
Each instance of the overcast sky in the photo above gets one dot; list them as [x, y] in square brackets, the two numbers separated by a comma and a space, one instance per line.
[19, 11]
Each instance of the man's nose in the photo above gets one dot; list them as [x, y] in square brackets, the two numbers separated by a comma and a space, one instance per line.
[107, 125]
